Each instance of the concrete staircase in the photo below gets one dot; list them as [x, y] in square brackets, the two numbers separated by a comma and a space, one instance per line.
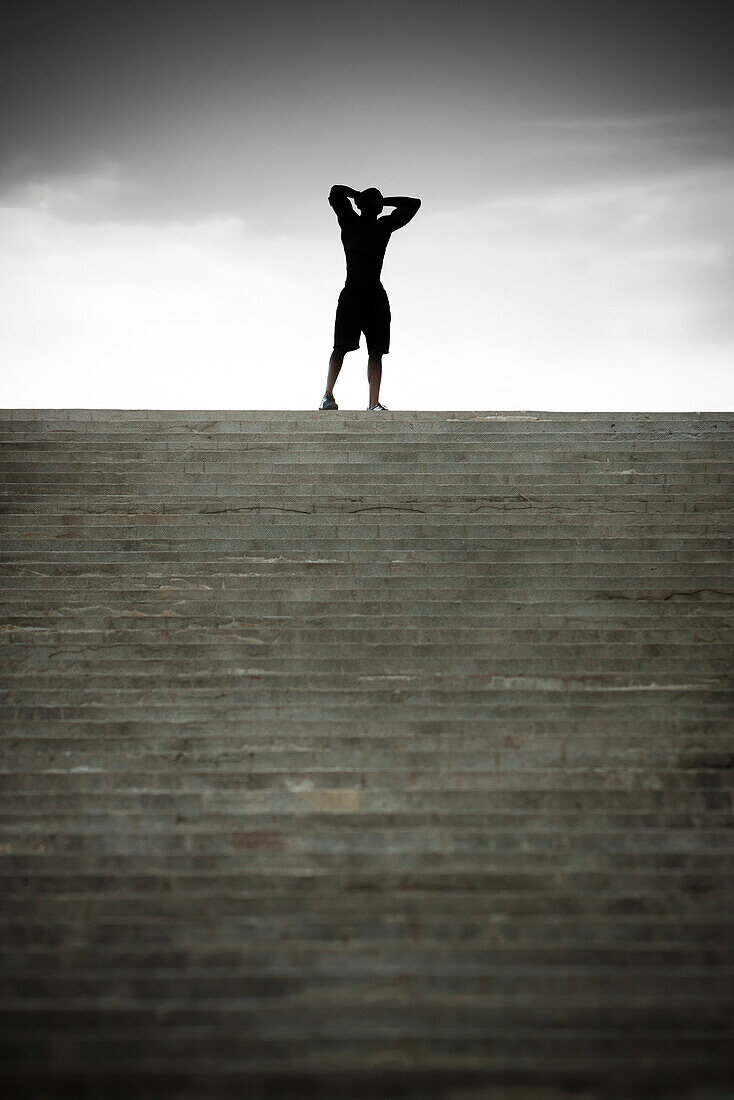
[367, 755]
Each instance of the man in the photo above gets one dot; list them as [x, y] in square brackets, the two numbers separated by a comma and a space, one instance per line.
[363, 304]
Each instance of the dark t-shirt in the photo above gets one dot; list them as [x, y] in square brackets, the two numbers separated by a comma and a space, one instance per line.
[364, 241]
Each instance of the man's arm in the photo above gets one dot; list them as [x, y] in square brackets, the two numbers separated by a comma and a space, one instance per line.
[342, 189]
[339, 197]
[405, 209]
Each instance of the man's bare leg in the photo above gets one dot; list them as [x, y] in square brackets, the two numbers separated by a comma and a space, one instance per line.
[335, 365]
[374, 376]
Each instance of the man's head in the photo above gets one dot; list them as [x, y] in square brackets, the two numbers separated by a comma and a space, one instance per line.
[370, 202]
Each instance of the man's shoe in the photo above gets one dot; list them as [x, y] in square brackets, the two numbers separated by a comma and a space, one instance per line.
[328, 402]
[371, 408]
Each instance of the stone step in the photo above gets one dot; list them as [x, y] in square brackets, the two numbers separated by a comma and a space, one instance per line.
[396, 776]
[500, 536]
[423, 415]
[472, 967]
[628, 518]
[221, 660]
[281, 748]
[505, 439]
[666, 837]
[426, 420]
[515, 507]
[268, 745]
[426, 616]
[526, 495]
[215, 962]
[673, 576]
[552, 532]
[378, 1015]
[265, 919]
[269, 860]
[406, 455]
[564, 502]
[502, 442]
[509, 445]
[502, 531]
[379, 705]
[157, 622]
[379, 584]
[593, 702]
[482, 555]
[355, 420]
[373, 698]
[156, 643]
[273, 545]
[299, 749]
[445, 1064]
[588, 559]
[501, 516]
[665, 456]
[149, 625]
[394, 490]
[671, 843]
[650, 851]
[374, 583]
[569, 521]
[278, 731]
[224, 661]
[407, 459]
[642, 596]
[345, 744]
[410, 474]
[274, 435]
[180, 813]
[427, 597]
[271, 726]
[654, 891]
[218, 638]
[222, 667]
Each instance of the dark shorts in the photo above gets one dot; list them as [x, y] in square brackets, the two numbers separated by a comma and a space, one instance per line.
[363, 309]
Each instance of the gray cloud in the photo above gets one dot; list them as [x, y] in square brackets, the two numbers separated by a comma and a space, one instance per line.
[228, 107]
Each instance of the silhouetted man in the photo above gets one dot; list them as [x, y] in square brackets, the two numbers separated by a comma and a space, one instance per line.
[363, 304]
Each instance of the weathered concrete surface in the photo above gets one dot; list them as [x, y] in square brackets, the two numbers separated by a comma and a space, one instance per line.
[374, 756]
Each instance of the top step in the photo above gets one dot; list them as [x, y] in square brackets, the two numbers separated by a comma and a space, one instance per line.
[116, 415]
[306, 415]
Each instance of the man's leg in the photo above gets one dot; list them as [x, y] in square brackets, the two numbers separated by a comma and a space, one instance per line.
[335, 365]
[374, 375]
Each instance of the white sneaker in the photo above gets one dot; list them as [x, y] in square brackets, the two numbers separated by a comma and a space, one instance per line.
[372, 408]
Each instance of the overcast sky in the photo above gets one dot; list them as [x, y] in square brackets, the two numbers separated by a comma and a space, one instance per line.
[166, 240]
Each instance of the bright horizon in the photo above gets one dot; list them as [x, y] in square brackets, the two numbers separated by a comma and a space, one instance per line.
[167, 241]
